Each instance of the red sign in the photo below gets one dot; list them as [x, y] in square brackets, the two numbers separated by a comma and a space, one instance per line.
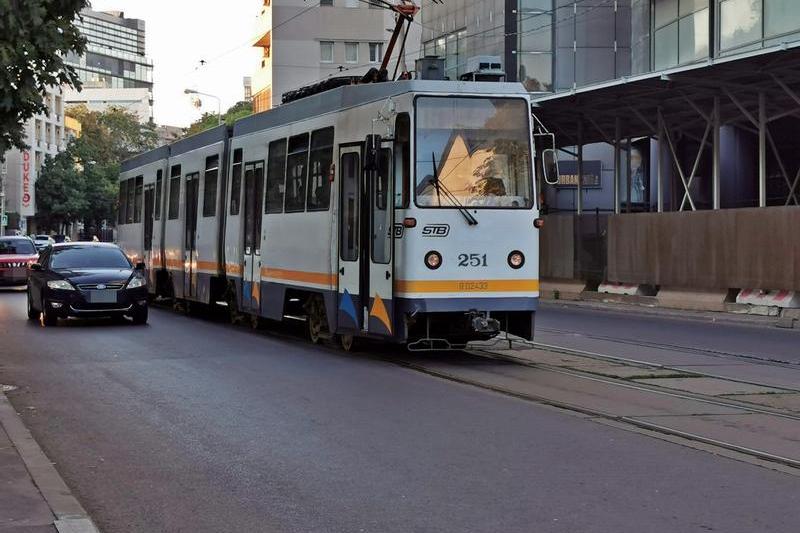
[26, 179]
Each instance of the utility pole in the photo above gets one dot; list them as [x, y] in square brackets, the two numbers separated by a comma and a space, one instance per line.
[3, 173]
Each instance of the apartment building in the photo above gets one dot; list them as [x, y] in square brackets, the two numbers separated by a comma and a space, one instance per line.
[45, 135]
[303, 42]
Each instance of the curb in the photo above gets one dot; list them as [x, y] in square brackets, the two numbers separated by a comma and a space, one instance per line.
[71, 517]
[720, 317]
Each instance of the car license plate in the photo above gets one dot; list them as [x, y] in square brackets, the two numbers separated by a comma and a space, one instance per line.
[103, 297]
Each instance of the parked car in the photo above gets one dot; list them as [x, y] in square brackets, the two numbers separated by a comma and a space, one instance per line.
[42, 241]
[84, 279]
[16, 254]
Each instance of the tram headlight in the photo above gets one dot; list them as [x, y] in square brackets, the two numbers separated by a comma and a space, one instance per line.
[516, 259]
[433, 260]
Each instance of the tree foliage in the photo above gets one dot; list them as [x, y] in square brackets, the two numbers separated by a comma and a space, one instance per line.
[81, 183]
[209, 120]
[35, 36]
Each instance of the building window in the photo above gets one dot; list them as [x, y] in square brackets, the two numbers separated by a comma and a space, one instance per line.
[680, 32]
[535, 45]
[351, 3]
[351, 52]
[326, 51]
[326, 2]
[375, 52]
[781, 17]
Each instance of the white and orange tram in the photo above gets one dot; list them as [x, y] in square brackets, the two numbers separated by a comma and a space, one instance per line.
[404, 211]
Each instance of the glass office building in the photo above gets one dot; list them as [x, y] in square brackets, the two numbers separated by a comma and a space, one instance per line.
[557, 45]
[115, 69]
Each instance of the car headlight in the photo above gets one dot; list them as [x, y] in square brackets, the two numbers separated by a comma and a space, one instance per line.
[136, 282]
[60, 284]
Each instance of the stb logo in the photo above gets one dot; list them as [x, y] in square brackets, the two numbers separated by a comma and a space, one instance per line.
[436, 230]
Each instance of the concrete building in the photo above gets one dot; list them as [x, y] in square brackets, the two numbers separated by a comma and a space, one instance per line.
[115, 69]
[303, 42]
[45, 135]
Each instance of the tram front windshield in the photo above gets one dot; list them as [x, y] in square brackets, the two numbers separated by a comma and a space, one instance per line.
[473, 151]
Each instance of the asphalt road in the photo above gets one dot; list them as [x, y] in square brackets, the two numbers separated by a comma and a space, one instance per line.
[188, 425]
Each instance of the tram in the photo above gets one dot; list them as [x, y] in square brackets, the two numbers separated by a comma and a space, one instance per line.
[402, 211]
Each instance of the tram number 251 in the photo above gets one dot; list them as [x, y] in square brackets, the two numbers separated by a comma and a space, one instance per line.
[472, 260]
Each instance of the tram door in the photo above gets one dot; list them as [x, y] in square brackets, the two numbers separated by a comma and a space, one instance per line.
[350, 307]
[253, 206]
[380, 185]
[366, 215]
[190, 237]
[147, 245]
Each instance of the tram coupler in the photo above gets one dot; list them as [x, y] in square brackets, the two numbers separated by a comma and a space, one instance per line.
[482, 323]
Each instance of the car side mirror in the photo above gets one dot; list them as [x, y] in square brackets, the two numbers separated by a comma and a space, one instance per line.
[36, 266]
[140, 266]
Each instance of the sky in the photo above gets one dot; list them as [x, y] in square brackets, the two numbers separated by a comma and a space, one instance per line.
[181, 33]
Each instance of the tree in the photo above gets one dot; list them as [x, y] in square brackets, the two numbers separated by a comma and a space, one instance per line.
[209, 120]
[88, 192]
[60, 187]
[35, 36]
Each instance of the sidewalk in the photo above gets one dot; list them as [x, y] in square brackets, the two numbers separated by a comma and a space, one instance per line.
[33, 497]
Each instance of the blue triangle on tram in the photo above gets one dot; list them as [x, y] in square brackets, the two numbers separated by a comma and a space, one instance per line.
[346, 305]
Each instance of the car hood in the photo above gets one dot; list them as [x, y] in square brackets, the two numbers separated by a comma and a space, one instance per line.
[78, 276]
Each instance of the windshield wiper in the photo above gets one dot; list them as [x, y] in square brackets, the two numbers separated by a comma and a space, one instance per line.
[441, 188]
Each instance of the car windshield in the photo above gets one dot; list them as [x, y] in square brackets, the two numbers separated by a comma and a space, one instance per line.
[478, 149]
[88, 257]
[17, 247]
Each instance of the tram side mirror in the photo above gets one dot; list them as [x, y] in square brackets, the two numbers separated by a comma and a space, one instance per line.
[550, 166]
[372, 150]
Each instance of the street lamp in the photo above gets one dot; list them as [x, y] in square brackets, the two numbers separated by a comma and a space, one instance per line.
[219, 102]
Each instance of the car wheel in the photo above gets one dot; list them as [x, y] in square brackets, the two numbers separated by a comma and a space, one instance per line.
[140, 315]
[33, 314]
[48, 317]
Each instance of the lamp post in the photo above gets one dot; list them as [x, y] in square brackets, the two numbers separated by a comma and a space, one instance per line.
[219, 102]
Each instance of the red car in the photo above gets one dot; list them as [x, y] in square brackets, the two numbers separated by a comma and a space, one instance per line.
[16, 254]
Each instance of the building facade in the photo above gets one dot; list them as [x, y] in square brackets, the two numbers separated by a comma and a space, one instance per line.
[304, 42]
[45, 135]
[114, 70]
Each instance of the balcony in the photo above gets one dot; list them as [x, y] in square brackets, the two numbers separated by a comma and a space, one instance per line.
[263, 29]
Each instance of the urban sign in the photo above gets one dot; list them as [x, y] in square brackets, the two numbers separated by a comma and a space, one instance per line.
[568, 174]
[27, 185]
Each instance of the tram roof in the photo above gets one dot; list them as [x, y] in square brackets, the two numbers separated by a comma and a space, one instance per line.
[684, 95]
[355, 95]
[162, 152]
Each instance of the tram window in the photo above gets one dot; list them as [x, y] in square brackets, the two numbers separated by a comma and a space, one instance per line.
[296, 173]
[174, 192]
[123, 201]
[210, 186]
[137, 202]
[276, 176]
[319, 184]
[348, 237]
[159, 184]
[236, 182]
[381, 215]
[131, 201]
[402, 160]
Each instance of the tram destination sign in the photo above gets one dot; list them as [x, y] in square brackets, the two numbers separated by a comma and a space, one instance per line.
[568, 174]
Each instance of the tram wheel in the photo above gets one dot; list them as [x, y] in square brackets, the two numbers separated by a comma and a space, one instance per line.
[317, 320]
